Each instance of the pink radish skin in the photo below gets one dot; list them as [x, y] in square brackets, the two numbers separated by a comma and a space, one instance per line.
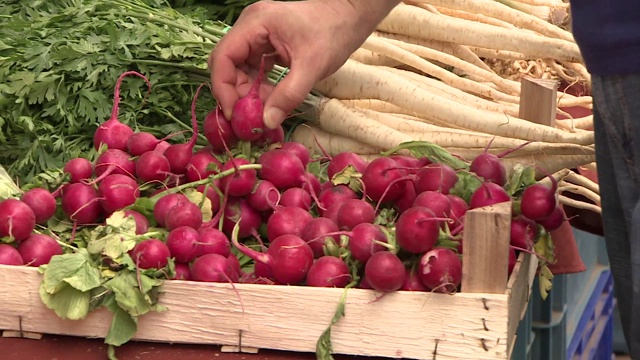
[539, 201]
[437, 202]
[114, 161]
[80, 202]
[512, 260]
[164, 204]
[213, 268]
[459, 207]
[112, 132]
[79, 169]
[313, 232]
[488, 194]
[152, 166]
[240, 183]
[264, 196]
[299, 150]
[42, 202]
[238, 210]
[385, 272]
[361, 242]
[234, 263]
[10, 255]
[183, 243]
[182, 272]
[287, 221]
[289, 258]
[328, 271]
[411, 163]
[354, 212]
[312, 185]
[334, 195]
[213, 241]
[523, 233]
[553, 221]
[141, 142]
[150, 254]
[417, 230]
[489, 167]
[282, 168]
[183, 214]
[142, 223]
[412, 282]
[436, 177]
[197, 167]
[332, 212]
[440, 270]
[118, 191]
[162, 147]
[270, 137]
[340, 161]
[296, 197]
[379, 179]
[247, 120]
[406, 200]
[364, 284]
[217, 130]
[38, 249]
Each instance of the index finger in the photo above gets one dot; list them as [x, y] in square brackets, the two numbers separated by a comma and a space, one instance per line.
[224, 61]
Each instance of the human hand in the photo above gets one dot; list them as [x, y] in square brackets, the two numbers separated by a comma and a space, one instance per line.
[313, 38]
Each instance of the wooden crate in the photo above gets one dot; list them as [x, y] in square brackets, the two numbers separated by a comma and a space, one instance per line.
[467, 325]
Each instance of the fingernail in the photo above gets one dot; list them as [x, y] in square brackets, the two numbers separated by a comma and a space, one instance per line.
[273, 117]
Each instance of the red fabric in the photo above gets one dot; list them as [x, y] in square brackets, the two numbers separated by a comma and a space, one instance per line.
[568, 260]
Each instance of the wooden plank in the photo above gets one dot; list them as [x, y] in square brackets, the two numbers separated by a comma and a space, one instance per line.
[485, 264]
[21, 334]
[538, 98]
[402, 324]
[519, 291]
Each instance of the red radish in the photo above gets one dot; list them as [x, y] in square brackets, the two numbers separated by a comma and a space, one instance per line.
[289, 220]
[283, 168]
[332, 212]
[166, 203]
[162, 147]
[523, 232]
[353, 212]
[364, 284]
[112, 132]
[141, 142]
[241, 182]
[234, 263]
[79, 169]
[289, 258]
[512, 259]
[488, 194]
[553, 221]
[381, 178]
[42, 202]
[81, 203]
[118, 191]
[417, 230]
[340, 161]
[264, 196]
[150, 254]
[334, 195]
[489, 167]
[539, 201]
[114, 161]
[263, 272]
[436, 177]
[217, 130]
[362, 241]
[183, 243]
[411, 163]
[184, 213]
[328, 271]
[459, 207]
[270, 137]
[142, 223]
[312, 185]
[180, 154]
[405, 201]
[38, 249]
[213, 268]
[152, 166]
[385, 272]
[10, 255]
[437, 202]
[299, 150]
[201, 166]
[182, 272]
[440, 270]
[213, 241]
[297, 197]
[412, 282]
[247, 119]
[315, 229]
[238, 210]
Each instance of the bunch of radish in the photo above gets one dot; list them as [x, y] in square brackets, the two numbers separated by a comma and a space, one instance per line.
[278, 213]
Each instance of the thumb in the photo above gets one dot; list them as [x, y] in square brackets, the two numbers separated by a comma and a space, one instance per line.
[288, 94]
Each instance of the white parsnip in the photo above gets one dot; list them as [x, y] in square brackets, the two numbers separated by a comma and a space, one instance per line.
[318, 140]
[370, 58]
[413, 21]
[579, 204]
[547, 164]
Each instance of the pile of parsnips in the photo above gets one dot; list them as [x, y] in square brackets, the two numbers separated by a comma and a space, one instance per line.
[448, 72]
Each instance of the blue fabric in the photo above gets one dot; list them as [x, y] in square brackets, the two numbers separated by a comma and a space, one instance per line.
[617, 135]
[608, 33]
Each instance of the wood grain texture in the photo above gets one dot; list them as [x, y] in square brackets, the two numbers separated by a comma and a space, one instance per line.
[538, 100]
[401, 324]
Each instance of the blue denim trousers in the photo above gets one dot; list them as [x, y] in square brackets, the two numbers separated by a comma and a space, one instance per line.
[617, 136]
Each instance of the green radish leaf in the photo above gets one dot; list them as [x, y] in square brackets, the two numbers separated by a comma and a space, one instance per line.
[520, 178]
[8, 188]
[465, 186]
[76, 269]
[324, 347]
[202, 201]
[433, 152]
[67, 302]
[123, 325]
[545, 279]
[127, 293]
[348, 176]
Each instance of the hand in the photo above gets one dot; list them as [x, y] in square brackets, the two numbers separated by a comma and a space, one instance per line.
[313, 38]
